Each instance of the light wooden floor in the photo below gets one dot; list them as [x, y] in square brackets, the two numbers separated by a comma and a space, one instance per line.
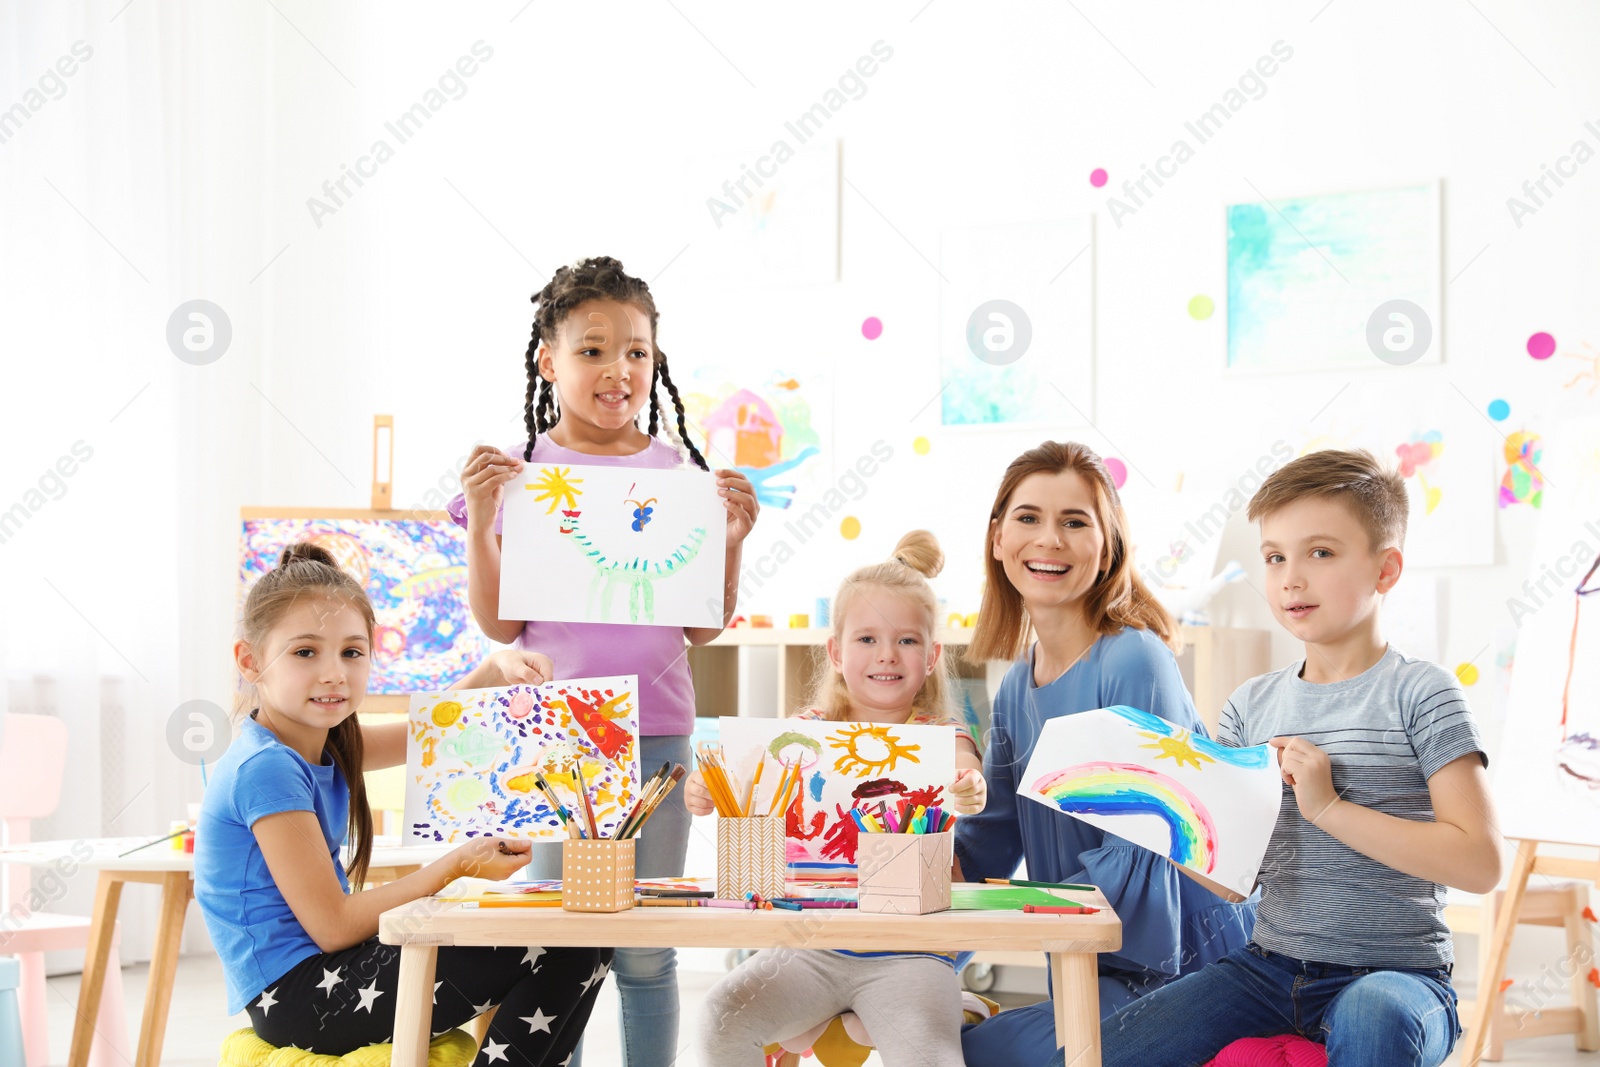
[197, 1024]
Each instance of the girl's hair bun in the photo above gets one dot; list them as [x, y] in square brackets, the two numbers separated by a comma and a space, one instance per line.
[920, 551]
[308, 552]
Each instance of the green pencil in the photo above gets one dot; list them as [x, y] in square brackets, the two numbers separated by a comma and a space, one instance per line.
[1040, 885]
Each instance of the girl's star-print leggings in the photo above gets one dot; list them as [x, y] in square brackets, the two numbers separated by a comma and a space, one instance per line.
[336, 1002]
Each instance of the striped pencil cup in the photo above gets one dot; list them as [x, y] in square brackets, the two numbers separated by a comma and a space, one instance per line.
[904, 874]
[597, 875]
[751, 857]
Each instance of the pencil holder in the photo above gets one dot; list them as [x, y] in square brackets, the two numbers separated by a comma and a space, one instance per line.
[750, 857]
[906, 874]
[597, 875]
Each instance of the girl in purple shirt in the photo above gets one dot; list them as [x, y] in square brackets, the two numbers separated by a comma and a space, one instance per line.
[593, 369]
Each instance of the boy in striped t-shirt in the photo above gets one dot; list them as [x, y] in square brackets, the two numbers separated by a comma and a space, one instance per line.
[1385, 803]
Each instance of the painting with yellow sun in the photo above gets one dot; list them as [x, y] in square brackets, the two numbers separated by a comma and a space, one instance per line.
[843, 765]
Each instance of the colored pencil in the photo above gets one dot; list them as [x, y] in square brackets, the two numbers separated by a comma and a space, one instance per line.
[744, 905]
[661, 902]
[1047, 909]
[755, 783]
[157, 841]
[1040, 885]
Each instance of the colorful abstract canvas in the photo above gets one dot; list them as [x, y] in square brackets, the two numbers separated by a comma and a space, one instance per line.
[613, 545]
[472, 753]
[1307, 274]
[1015, 324]
[415, 574]
[1206, 807]
[843, 765]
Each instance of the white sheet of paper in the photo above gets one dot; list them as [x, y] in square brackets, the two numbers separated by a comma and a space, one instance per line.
[471, 754]
[1547, 783]
[1206, 807]
[844, 765]
[613, 544]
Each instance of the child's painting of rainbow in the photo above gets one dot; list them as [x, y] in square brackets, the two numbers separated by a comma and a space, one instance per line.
[1207, 807]
[585, 543]
[843, 765]
[1116, 789]
[471, 756]
[415, 574]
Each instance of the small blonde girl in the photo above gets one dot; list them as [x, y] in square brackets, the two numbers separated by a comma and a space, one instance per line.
[886, 667]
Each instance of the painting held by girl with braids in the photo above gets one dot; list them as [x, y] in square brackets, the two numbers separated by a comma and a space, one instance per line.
[594, 369]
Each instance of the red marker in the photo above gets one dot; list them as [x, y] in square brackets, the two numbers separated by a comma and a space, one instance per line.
[1050, 909]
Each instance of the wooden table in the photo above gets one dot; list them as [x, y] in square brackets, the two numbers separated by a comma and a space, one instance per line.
[1072, 942]
[174, 873]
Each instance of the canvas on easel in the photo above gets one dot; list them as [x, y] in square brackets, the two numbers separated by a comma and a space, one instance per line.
[1548, 783]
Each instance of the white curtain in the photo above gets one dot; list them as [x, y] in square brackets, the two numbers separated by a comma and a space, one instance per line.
[131, 157]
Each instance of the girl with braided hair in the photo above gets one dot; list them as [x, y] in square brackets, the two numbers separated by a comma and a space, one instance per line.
[593, 368]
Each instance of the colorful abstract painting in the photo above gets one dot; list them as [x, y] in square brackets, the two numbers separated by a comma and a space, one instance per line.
[471, 756]
[1206, 807]
[843, 765]
[613, 545]
[1015, 318]
[415, 574]
[1523, 481]
[1306, 274]
[767, 428]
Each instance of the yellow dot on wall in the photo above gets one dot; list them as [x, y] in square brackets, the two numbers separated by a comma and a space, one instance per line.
[1467, 674]
[850, 528]
[921, 446]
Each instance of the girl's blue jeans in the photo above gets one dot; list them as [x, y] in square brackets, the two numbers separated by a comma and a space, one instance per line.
[1367, 1017]
[646, 978]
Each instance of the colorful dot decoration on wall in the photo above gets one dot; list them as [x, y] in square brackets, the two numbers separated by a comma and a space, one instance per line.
[1098, 176]
[921, 446]
[1200, 307]
[1118, 471]
[872, 328]
[850, 528]
[1499, 410]
[1541, 345]
[1467, 674]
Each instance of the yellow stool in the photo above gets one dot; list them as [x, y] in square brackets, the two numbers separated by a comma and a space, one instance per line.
[243, 1048]
[843, 1041]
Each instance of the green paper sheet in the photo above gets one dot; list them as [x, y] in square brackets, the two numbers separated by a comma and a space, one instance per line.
[1007, 898]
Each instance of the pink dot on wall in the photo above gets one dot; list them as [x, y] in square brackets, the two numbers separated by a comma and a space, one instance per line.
[1118, 471]
[1541, 346]
[872, 328]
[1097, 177]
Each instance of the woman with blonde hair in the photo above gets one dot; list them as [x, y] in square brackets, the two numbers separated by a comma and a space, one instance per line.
[1058, 571]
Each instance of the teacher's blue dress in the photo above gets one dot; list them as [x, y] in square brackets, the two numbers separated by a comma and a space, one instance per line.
[1171, 925]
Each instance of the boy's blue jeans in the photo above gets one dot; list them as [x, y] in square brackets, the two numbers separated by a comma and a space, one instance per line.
[1367, 1017]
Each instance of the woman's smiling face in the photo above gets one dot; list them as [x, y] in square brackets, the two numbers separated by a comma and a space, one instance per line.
[1049, 539]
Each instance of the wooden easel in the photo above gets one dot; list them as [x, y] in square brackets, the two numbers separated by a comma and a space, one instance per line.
[1497, 946]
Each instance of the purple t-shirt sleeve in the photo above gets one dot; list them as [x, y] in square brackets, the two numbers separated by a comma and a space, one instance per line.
[458, 513]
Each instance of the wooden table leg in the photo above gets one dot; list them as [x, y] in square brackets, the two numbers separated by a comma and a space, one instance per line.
[96, 958]
[1497, 946]
[176, 890]
[413, 1006]
[1075, 980]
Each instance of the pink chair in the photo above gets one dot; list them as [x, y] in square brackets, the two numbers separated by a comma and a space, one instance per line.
[33, 758]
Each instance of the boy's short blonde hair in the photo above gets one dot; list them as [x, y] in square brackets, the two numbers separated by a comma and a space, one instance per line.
[1374, 493]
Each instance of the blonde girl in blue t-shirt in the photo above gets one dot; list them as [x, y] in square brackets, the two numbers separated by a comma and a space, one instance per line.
[594, 368]
[299, 949]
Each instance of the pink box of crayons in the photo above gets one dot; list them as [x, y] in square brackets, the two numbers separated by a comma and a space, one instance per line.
[597, 875]
[904, 874]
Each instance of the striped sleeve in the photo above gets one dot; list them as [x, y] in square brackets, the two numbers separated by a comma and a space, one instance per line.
[1439, 724]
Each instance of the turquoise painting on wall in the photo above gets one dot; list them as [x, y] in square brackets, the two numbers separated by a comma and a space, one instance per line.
[1312, 281]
